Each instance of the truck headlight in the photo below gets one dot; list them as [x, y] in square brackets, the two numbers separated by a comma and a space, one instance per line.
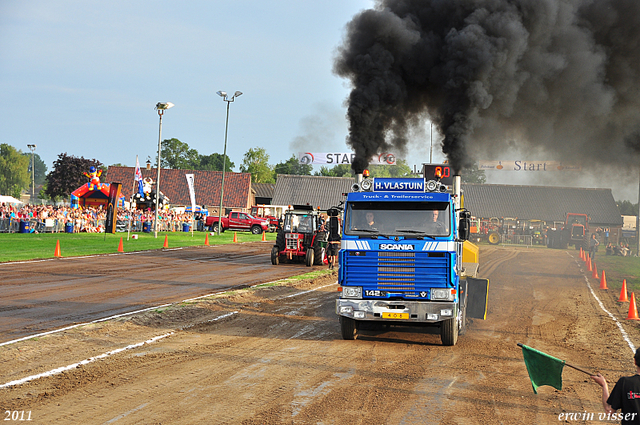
[446, 312]
[352, 292]
[441, 294]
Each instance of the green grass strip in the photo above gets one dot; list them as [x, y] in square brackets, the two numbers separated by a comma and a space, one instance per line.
[31, 246]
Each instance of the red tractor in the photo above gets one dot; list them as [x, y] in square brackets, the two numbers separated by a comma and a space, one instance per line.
[300, 238]
[574, 232]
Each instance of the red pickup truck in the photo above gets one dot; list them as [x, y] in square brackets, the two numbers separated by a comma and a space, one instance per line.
[238, 221]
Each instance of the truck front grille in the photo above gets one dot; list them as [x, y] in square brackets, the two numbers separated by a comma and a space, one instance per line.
[398, 272]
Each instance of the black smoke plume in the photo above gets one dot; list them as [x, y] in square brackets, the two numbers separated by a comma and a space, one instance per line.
[558, 75]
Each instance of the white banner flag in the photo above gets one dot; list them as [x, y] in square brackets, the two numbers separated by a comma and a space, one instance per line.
[309, 158]
[520, 165]
[192, 193]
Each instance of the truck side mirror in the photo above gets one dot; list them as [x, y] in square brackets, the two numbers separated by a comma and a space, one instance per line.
[464, 227]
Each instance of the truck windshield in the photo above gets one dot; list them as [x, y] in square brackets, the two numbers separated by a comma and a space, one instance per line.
[398, 218]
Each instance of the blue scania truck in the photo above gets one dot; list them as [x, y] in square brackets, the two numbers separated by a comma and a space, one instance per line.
[405, 259]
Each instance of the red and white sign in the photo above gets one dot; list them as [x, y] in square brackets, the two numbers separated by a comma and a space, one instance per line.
[337, 158]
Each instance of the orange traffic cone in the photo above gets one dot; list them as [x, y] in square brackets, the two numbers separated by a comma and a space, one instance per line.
[595, 272]
[589, 264]
[166, 241]
[581, 254]
[56, 253]
[603, 281]
[206, 240]
[623, 292]
[120, 248]
[235, 237]
[633, 311]
[264, 236]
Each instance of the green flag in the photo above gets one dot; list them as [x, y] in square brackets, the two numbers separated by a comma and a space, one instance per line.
[543, 369]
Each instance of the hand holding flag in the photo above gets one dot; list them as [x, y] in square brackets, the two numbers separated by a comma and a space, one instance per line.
[544, 369]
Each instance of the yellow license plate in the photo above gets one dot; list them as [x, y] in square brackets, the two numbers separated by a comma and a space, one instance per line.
[402, 316]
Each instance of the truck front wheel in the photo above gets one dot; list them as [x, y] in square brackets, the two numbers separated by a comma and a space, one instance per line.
[449, 332]
[309, 257]
[256, 230]
[349, 328]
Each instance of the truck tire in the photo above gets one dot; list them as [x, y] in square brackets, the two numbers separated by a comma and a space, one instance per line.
[449, 331]
[275, 256]
[256, 230]
[280, 240]
[214, 228]
[319, 254]
[493, 238]
[348, 328]
[309, 258]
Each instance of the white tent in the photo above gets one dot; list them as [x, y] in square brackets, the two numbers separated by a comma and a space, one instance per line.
[9, 200]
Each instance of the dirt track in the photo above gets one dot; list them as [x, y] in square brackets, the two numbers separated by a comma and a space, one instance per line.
[274, 356]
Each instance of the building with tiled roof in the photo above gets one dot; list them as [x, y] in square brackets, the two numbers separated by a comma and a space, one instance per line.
[317, 191]
[263, 193]
[207, 184]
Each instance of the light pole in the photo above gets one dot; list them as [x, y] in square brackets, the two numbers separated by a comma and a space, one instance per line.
[33, 172]
[223, 95]
[160, 107]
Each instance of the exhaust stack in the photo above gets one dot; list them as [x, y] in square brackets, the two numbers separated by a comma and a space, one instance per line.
[457, 181]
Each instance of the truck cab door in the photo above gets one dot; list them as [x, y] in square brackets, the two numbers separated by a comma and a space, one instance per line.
[243, 221]
[233, 219]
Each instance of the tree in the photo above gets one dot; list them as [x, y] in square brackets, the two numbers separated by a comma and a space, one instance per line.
[14, 175]
[214, 162]
[40, 167]
[401, 169]
[68, 175]
[473, 175]
[256, 162]
[340, 170]
[178, 155]
[627, 208]
[292, 166]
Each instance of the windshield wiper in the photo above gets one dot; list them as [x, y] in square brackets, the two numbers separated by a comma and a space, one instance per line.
[365, 230]
[415, 232]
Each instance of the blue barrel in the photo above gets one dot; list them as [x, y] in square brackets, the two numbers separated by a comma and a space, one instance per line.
[186, 227]
[146, 227]
[24, 226]
[68, 228]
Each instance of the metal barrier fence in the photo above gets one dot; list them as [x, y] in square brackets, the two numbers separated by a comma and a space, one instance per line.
[526, 240]
[11, 225]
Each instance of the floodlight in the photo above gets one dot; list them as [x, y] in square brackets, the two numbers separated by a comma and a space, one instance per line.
[165, 105]
[238, 93]
[221, 93]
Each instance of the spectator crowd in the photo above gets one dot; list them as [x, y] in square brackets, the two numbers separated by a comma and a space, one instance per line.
[83, 219]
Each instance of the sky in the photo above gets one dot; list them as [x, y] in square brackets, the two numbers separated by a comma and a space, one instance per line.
[83, 77]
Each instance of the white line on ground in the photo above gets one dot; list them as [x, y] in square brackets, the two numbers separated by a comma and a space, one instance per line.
[104, 319]
[625, 336]
[83, 362]
[102, 356]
